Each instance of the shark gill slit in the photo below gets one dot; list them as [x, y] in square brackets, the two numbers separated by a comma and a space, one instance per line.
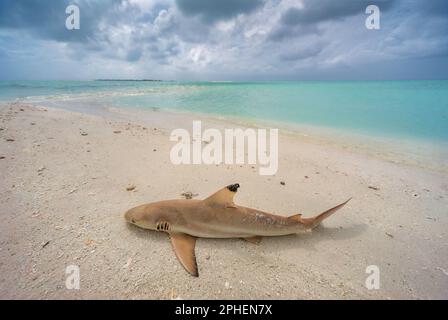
[163, 226]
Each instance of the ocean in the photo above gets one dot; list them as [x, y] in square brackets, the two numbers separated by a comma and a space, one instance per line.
[391, 109]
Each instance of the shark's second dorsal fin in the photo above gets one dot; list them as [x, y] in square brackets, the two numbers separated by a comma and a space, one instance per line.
[297, 217]
[224, 196]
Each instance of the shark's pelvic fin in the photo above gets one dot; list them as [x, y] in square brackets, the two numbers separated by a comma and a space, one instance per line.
[254, 239]
[223, 197]
[183, 245]
[315, 221]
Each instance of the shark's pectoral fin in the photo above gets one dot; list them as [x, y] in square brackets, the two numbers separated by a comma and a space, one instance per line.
[183, 245]
[254, 239]
[224, 196]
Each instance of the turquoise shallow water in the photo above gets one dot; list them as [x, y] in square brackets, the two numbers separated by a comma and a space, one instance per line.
[396, 109]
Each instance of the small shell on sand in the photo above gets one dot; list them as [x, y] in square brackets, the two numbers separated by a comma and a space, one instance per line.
[189, 195]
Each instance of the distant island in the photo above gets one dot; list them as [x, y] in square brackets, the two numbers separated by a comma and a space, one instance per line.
[154, 80]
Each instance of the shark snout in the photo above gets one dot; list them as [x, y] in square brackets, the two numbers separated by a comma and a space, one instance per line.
[128, 216]
[145, 216]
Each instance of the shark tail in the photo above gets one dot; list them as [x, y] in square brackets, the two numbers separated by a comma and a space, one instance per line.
[313, 222]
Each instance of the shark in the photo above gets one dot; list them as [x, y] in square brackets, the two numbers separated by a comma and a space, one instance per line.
[216, 217]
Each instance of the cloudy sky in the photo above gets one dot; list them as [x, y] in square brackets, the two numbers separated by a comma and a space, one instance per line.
[224, 40]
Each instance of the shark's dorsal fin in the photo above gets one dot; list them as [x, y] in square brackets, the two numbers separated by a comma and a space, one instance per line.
[183, 245]
[224, 196]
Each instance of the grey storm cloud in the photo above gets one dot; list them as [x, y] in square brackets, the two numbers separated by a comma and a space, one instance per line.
[134, 54]
[46, 18]
[304, 20]
[179, 35]
[214, 10]
[434, 7]
[163, 51]
[302, 53]
[317, 11]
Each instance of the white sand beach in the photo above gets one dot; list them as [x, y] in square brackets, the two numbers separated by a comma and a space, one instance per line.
[63, 191]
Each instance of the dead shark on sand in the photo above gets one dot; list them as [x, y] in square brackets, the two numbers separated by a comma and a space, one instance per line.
[215, 217]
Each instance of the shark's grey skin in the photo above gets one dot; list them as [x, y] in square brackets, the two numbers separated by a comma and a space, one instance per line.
[215, 217]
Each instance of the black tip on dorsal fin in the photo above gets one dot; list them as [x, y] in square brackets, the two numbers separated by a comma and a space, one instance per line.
[233, 187]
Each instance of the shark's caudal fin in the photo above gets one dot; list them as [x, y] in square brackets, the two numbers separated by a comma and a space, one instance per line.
[315, 221]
